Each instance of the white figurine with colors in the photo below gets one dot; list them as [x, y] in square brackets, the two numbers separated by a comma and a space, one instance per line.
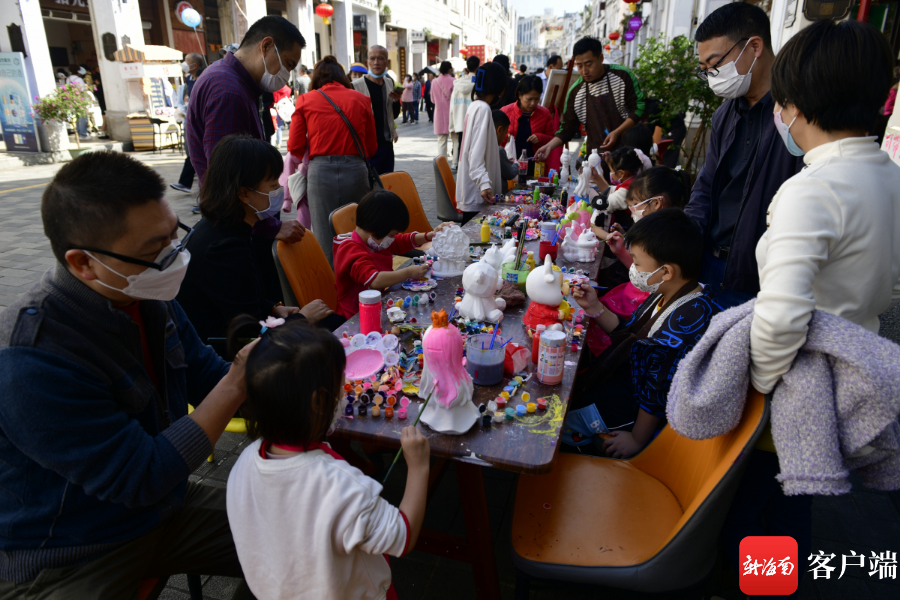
[451, 246]
[481, 280]
[445, 379]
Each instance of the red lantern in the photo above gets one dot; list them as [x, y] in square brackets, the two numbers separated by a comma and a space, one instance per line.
[607, 47]
[614, 35]
[325, 10]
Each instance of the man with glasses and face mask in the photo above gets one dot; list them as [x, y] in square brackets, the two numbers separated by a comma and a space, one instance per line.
[97, 366]
[746, 161]
[226, 100]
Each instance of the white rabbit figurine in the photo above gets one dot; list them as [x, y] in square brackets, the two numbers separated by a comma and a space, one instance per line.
[494, 257]
[587, 246]
[480, 280]
[508, 251]
[569, 245]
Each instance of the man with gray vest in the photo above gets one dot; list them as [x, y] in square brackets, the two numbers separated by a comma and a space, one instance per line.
[379, 87]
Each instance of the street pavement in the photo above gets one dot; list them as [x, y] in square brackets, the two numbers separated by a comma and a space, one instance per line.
[862, 521]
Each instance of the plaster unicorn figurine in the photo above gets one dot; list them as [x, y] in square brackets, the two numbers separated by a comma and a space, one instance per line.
[444, 376]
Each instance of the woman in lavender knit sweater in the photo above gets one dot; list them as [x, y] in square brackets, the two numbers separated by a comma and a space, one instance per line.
[833, 237]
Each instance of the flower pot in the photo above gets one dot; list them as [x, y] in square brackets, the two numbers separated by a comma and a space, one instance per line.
[76, 152]
[53, 135]
[384, 18]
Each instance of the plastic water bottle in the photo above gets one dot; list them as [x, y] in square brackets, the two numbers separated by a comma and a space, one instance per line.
[523, 168]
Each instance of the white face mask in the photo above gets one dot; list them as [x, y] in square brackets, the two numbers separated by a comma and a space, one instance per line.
[729, 83]
[153, 284]
[639, 280]
[276, 199]
[185, 67]
[336, 417]
[384, 245]
[272, 83]
[638, 214]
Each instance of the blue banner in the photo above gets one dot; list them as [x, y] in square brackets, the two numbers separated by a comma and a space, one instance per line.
[16, 117]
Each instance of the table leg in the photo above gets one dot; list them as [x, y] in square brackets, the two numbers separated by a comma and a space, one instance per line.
[478, 530]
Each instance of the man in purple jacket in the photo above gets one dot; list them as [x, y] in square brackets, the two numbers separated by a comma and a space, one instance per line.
[225, 100]
[746, 161]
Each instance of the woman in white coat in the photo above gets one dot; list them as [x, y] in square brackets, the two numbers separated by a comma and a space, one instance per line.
[833, 237]
[478, 177]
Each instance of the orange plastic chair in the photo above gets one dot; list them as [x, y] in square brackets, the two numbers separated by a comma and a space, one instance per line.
[343, 219]
[647, 524]
[445, 188]
[308, 271]
[402, 184]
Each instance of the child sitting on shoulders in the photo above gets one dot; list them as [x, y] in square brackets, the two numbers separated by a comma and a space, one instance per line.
[666, 248]
[364, 258]
[509, 168]
[655, 188]
[305, 523]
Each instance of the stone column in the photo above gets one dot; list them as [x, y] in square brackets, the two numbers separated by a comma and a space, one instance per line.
[123, 21]
[27, 15]
[342, 29]
[301, 15]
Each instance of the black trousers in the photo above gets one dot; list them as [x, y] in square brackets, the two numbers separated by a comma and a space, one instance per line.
[383, 159]
[429, 108]
[187, 173]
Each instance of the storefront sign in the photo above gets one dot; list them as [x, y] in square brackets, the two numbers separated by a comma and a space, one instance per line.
[79, 6]
[417, 47]
[141, 70]
[416, 36]
[16, 118]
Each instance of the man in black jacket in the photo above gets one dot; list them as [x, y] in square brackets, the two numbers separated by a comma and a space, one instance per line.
[746, 161]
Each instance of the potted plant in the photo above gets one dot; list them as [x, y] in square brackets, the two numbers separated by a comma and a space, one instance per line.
[65, 104]
[667, 71]
[385, 15]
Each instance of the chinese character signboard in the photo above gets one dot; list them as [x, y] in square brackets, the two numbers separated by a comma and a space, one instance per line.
[768, 565]
[19, 131]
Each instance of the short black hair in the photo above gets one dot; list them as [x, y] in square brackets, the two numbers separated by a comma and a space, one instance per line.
[501, 119]
[625, 158]
[529, 83]
[490, 78]
[282, 32]
[588, 44]
[445, 67]
[837, 74]
[293, 377]
[523, 68]
[502, 60]
[639, 137]
[381, 212]
[472, 64]
[662, 181]
[736, 21]
[671, 237]
[88, 199]
[553, 59]
[237, 161]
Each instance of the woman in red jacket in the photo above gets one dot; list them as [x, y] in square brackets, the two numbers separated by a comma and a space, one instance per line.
[531, 125]
[337, 173]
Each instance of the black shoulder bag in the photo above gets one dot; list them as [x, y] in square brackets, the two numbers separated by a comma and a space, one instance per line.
[374, 179]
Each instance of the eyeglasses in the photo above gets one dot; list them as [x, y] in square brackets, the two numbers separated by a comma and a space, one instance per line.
[713, 71]
[162, 265]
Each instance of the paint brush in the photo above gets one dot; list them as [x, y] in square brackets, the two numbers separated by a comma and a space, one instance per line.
[400, 451]
[493, 337]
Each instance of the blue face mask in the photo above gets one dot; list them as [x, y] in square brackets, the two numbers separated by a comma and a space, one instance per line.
[376, 76]
[785, 132]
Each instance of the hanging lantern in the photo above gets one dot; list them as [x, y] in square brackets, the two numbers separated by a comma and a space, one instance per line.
[607, 47]
[629, 35]
[614, 35]
[325, 10]
[632, 7]
[635, 23]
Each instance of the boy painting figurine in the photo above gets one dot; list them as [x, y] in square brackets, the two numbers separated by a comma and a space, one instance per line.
[667, 249]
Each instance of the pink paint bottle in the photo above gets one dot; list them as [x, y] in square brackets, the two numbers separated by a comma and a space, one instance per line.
[369, 311]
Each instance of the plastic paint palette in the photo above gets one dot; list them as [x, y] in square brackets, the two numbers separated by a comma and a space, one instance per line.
[363, 363]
